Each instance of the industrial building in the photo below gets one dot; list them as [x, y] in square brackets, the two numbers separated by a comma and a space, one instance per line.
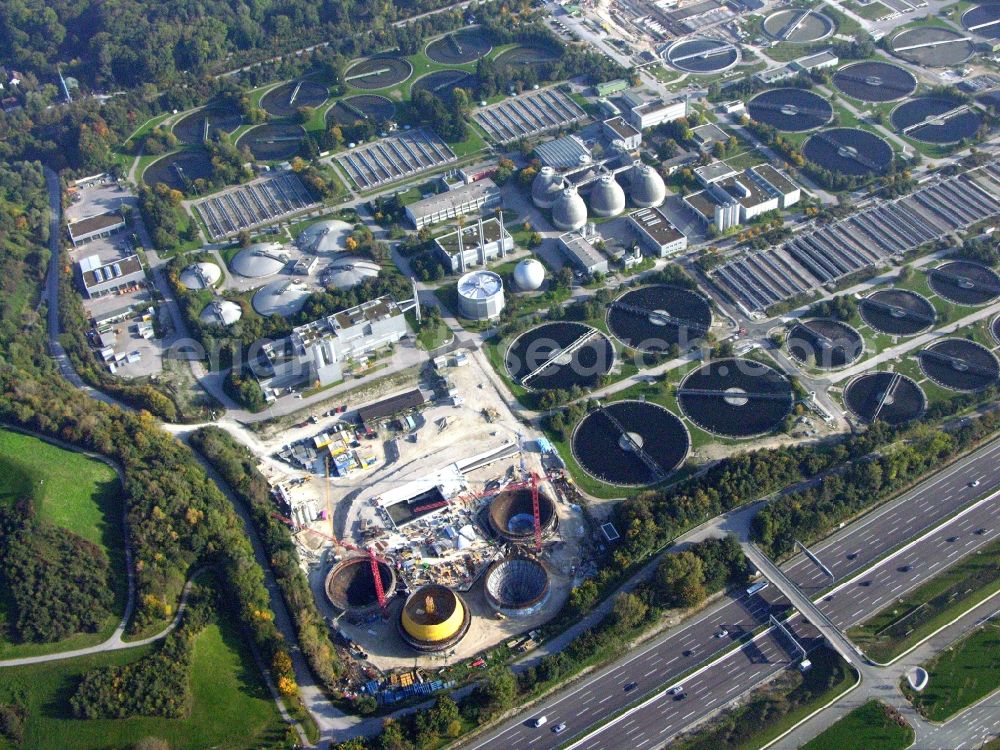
[476, 244]
[818, 61]
[650, 114]
[463, 199]
[480, 295]
[732, 198]
[315, 352]
[104, 277]
[567, 152]
[657, 234]
[92, 227]
[617, 129]
[611, 87]
[581, 252]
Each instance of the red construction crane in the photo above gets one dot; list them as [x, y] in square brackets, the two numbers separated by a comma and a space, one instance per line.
[370, 551]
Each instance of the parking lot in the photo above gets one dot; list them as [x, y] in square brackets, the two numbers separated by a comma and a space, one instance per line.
[757, 281]
[126, 333]
[528, 115]
[395, 157]
[251, 205]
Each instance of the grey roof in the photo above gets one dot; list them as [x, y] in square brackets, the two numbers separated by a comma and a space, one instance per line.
[347, 272]
[221, 312]
[480, 189]
[714, 172]
[607, 197]
[564, 153]
[569, 211]
[619, 127]
[262, 259]
[200, 275]
[654, 223]
[282, 297]
[647, 188]
[324, 237]
[586, 255]
[480, 284]
[546, 187]
[775, 178]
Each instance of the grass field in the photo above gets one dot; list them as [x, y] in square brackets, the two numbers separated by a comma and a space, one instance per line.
[961, 675]
[872, 726]
[71, 491]
[231, 706]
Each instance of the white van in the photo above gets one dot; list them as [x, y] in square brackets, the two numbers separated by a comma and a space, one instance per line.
[541, 721]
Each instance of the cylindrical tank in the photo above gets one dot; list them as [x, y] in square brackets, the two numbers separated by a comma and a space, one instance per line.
[529, 275]
[569, 212]
[647, 187]
[433, 618]
[480, 295]
[200, 275]
[222, 312]
[546, 187]
[607, 197]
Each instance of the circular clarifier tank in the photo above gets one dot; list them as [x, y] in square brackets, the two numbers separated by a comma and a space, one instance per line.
[655, 318]
[965, 283]
[887, 396]
[702, 55]
[850, 151]
[630, 443]
[736, 398]
[824, 343]
[936, 120]
[790, 109]
[560, 355]
[798, 26]
[897, 312]
[875, 81]
[960, 364]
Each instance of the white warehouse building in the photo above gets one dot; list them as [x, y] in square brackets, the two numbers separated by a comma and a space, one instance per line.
[464, 199]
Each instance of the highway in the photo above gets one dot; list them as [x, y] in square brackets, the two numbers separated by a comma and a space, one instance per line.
[847, 553]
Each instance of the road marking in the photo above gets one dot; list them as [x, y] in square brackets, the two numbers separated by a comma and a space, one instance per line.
[689, 713]
[606, 699]
[732, 689]
[645, 675]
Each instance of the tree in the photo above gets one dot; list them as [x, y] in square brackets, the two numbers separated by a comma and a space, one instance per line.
[680, 579]
[497, 691]
[629, 611]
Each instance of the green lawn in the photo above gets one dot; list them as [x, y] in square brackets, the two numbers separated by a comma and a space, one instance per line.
[961, 675]
[72, 491]
[231, 706]
[873, 725]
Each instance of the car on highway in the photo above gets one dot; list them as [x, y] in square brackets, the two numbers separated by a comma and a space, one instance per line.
[630, 686]
[677, 690]
[974, 483]
[541, 721]
[722, 633]
[904, 568]
[559, 728]
[952, 539]
[980, 531]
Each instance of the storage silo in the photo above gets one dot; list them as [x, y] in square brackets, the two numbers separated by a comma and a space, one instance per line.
[546, 187]
[480, 295]
[529, 275]
[569, 212]
[647, 188]
[607, 197]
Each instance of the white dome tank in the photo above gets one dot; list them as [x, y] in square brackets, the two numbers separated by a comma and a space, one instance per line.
[529, 275]
[324, 237]
[647, 189]
[259, 260]
[221, 312]
[200, 275]
[569, 212]
[607, 197]
[282, 297]
[346, 272]
[480, 295]
[545, 188]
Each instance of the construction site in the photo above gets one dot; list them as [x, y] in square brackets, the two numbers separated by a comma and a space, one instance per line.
[433, 531]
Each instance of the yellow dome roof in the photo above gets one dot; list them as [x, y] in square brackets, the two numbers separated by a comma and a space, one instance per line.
[433, 613]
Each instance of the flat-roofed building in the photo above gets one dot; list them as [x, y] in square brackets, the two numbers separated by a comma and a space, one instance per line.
[582, 253]
[714, 172]
[315, 352]
[92, 227]
[611, 87]
[708, 135]
[650, 114]
[722, 211]
[657, 234]
[818, 61]
[788, 192]
[566, 152]
[482, 242]
[616, 129]
[100, 277]
[773, 75]
[464, 199]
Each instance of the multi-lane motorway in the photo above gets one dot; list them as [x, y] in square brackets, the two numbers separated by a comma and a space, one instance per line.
[723, 677]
